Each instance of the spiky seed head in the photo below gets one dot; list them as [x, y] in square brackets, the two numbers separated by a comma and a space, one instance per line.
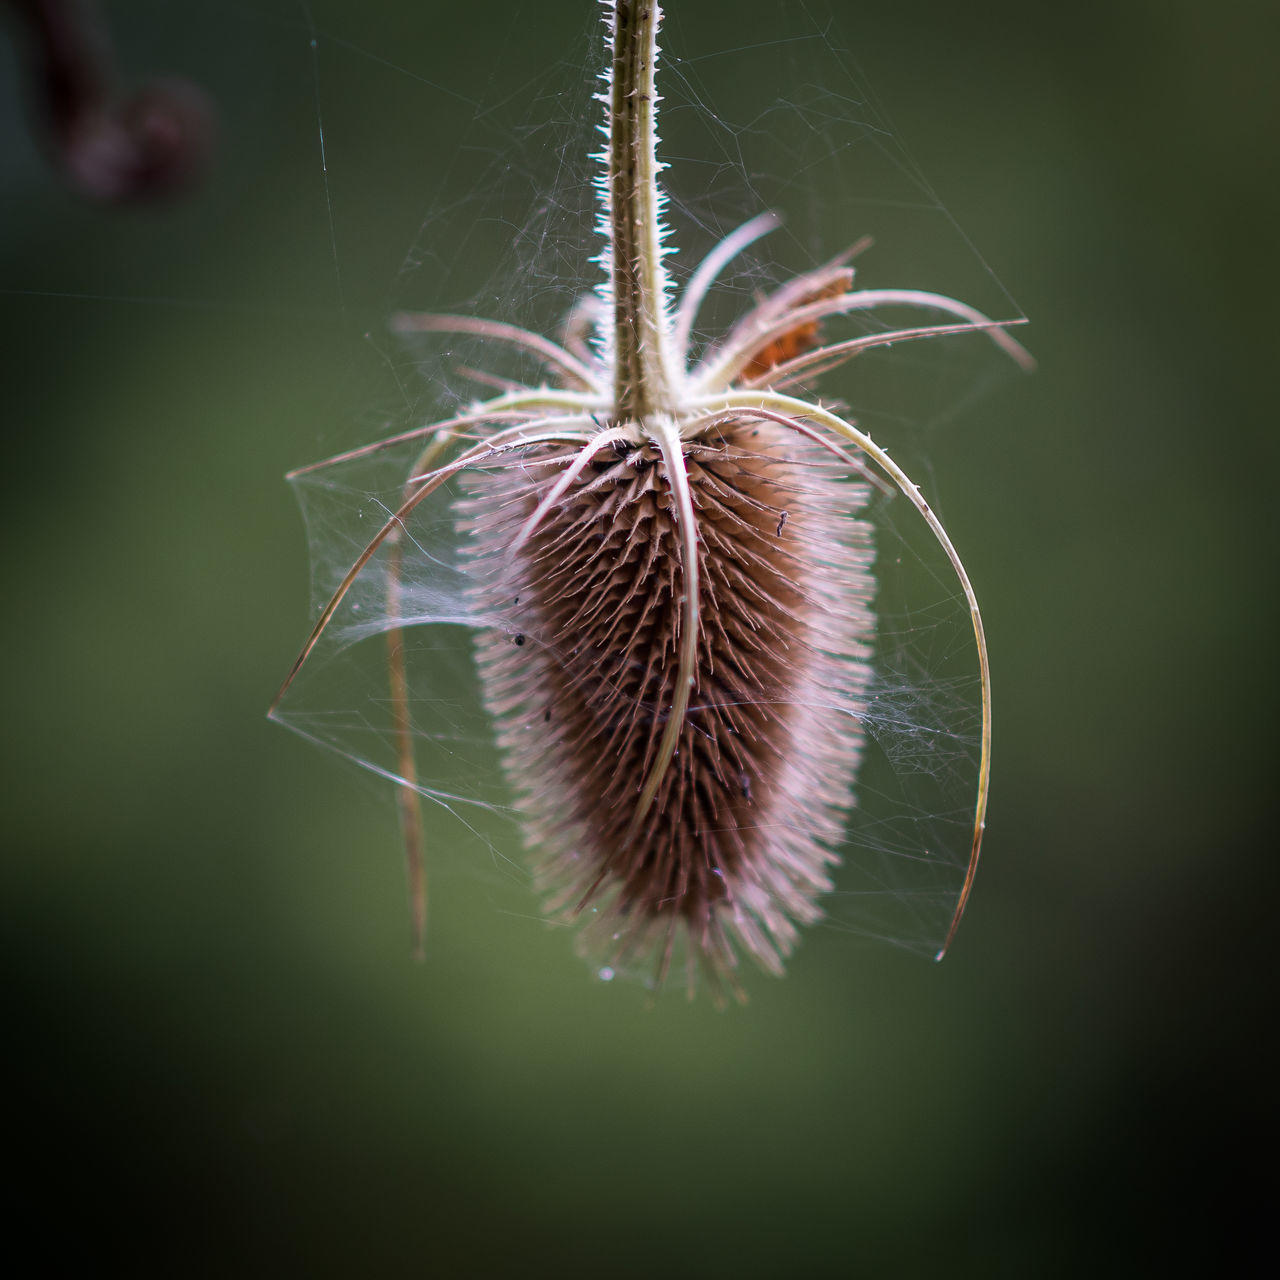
[736, 849]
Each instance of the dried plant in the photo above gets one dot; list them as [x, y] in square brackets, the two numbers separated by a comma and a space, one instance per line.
[678, 710]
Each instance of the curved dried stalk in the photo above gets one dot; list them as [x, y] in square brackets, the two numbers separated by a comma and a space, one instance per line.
[397, 677]
[520, 407]
[709, 269]
[801, 409]
[725, 363]
[578, 374]
[427, 485]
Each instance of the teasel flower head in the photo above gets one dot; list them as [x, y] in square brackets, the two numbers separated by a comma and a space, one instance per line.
[672, 545]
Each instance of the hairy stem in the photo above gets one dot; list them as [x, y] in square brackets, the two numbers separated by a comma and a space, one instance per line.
[642, 382]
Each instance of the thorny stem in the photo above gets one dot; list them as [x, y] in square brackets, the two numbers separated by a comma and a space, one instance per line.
[642, 378]
[644, 391]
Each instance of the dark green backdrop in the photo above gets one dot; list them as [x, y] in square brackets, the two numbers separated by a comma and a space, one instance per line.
[226, 1063]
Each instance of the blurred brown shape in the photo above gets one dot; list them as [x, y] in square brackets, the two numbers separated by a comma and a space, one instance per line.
[152, 144]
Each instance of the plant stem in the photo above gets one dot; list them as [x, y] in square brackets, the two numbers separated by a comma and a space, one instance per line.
[642, 383]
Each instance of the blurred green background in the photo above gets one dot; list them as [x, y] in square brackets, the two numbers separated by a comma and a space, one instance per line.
[225, 1061]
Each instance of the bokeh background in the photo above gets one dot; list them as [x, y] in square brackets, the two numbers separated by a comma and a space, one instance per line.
[223, 1060]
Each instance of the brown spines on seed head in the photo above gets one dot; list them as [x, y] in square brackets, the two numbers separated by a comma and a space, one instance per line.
[579, 661]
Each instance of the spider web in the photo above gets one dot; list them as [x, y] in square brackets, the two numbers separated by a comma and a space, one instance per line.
[784, 122]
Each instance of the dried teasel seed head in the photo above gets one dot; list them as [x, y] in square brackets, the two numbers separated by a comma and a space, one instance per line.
[667, 580]
[736, 849]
